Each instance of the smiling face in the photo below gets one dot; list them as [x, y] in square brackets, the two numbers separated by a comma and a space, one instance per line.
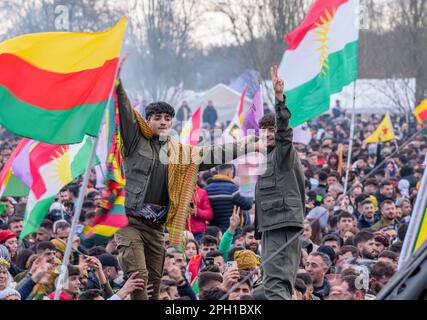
[160, 123]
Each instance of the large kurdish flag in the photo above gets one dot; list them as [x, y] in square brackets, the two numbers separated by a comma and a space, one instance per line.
[321, 58]
[54, 86]
[51, 168]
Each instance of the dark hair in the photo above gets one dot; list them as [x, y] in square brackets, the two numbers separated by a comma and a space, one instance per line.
[385, 183]
[209, 240]
[396, 247]
[406, 171]
[305, 276]
[300, 286]
[367, 201]
[42, 246]
[195, 243]
[360, 198]
[332, 237]
[212, 231]
[230, 255]
[90, 215]
[387, 201]
[15, 218]
[401, 232]
[316, 230]
[96, 251]
[247, 229]
[213, 294]
[61, 224]
[345, 249]
[159, 108]
[73, 271]
[389, 254]
[211, 268]
[362, 237]
[90, 294]
[213, 254]
[381, 269]
[322, 175]
[207, 276]
[372, 182]
[243, 274]
[22, 258]
[225, 167]
[351, 281]
[344, 214]
[47, 224]
[269, 120]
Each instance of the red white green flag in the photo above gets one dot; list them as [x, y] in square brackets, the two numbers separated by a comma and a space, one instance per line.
[321, 58]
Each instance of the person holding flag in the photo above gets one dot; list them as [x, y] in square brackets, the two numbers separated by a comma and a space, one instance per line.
[160, 177]
[279, 201]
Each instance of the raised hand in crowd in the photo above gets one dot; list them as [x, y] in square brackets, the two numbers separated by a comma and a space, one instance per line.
[234, 219]
[130, 286]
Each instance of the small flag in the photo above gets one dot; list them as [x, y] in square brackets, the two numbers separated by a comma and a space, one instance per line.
[190, 133]
[232, 132]
[420, 112]
[383, 133]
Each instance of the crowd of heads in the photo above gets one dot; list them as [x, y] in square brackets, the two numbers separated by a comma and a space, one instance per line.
[350, 244]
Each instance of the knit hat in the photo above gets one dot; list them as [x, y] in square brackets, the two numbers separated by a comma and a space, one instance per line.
[59, 245]
[382, 239]
[328, 251]
[108, 260]
[9, 292]
[6, 235]
[246, 259]
[4, 253]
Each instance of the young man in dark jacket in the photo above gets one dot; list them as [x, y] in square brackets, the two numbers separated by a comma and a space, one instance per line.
[280, 201]
[224, 195]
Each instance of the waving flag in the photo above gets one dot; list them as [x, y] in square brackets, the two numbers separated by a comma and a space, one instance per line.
[190, 133]
[54, 86]
[321, 58]
[383, 133]
[111, 215]
[232, 131]
[50, 168]
[255, 113]
[420, 112]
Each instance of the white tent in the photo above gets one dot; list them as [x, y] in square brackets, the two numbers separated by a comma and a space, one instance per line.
[224, 98]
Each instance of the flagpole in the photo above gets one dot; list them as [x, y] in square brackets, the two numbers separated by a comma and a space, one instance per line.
[415, 221]
[350, 146]
[83, 188]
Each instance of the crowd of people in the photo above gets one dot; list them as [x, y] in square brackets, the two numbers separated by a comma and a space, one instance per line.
[350, 244]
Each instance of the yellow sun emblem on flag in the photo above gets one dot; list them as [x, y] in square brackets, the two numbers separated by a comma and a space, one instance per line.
[61, 168]
[323, 31]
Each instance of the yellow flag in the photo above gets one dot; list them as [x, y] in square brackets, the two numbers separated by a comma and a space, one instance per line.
[383, 133]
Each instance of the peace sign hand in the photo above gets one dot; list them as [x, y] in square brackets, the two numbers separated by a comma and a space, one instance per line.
[278, 84]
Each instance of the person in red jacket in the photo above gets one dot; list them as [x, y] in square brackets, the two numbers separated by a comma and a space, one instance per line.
[200, 212]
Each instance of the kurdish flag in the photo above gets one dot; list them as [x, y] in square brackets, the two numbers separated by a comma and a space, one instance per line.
[321, 58]
[190, 133]
[54, 86]
[51, 167]
[111, 214]
[420, 112]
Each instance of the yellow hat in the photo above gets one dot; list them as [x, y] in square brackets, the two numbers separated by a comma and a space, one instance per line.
[246, 260]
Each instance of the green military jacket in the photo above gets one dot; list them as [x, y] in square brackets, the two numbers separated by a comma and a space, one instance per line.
[280, 190]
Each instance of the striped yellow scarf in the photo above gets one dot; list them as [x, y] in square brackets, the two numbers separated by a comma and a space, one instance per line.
[182, 176]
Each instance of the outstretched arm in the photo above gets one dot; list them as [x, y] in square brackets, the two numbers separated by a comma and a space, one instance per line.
[283, 132]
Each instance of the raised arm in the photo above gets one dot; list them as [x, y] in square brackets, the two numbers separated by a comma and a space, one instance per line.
[129, 127]
[283, 132]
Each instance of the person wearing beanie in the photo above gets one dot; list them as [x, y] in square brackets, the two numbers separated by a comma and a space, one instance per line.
[9, 240]
[246, 260]
[110, 266]
[10, 294]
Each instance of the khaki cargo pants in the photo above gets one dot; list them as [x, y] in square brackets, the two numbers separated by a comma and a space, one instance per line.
[280, 272]
[141, 248]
